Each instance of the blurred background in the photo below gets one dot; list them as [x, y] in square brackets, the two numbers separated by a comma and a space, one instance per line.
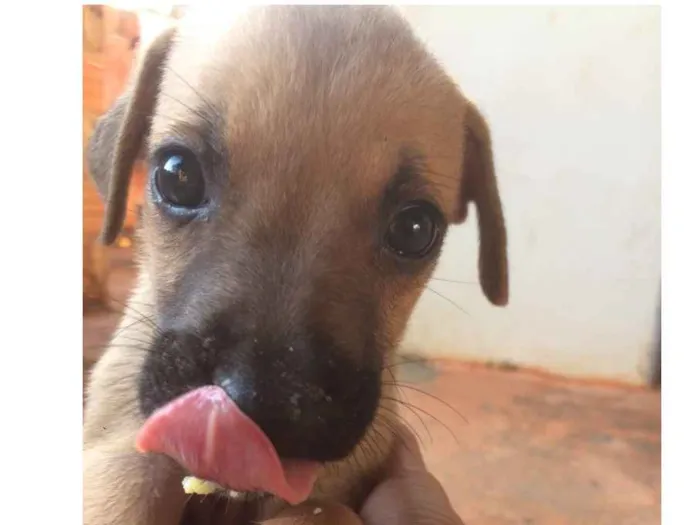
[547, 411]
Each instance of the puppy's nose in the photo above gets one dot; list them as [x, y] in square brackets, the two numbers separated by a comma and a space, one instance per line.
[312, 405]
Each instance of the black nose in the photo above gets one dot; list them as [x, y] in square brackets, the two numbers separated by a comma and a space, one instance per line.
[313, 403]
[313, 399]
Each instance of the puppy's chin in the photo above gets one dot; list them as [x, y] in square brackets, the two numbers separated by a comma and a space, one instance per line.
[313, 400]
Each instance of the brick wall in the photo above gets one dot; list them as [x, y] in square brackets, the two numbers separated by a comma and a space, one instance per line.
[109, 38]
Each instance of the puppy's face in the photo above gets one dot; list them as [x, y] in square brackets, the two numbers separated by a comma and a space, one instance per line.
[305, 166]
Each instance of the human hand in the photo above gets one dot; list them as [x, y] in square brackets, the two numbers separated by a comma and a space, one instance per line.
[407, 495]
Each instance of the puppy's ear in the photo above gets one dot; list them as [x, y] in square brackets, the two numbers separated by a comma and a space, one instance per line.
[479, 186]
[120, 134]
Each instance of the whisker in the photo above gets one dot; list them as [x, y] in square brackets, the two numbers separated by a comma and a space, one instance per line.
[126, 327]
[405, 422]
[419, 360]
[432, 416]
[206, 101]
[377, 447]
[405, 360]
[421, 163]
[197, 112]
[432, 396]
[443, 185]
[393, 376]
[400, 439]
[448, 300]
[141, 348]
[389, 425]
[355, 464]
[165, 116]
[430, 171]
[452, 281]
[228, 502]
[147, 320]
[151, 322]
[142, 303]
[410, 407]
[402, 399]
[130, 301]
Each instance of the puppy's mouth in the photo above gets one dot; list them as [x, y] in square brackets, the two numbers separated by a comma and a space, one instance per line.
[208, 434]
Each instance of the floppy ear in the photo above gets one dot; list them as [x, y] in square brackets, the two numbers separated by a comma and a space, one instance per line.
[120, 134]
[479, 186]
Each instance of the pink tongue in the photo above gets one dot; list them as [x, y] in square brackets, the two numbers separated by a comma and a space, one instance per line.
[209, 436]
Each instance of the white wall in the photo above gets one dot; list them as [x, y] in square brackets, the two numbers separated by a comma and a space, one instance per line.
[573, 98]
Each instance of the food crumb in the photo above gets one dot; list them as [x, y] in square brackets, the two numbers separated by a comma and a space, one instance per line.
[317, 511]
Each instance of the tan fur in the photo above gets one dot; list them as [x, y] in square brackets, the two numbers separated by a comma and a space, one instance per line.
[334, 144]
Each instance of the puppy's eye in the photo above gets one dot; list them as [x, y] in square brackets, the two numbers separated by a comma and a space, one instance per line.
[179, 179]
[414, 231]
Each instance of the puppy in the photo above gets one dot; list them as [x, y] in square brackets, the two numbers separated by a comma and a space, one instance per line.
[306, 163]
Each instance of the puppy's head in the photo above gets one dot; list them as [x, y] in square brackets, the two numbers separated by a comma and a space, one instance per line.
[306, 163]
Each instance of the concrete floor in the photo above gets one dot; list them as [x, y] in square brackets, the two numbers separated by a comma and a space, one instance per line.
[515, 447]
[542, 451]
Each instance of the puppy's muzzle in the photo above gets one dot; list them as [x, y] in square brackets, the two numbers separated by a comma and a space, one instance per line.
[313, 399]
